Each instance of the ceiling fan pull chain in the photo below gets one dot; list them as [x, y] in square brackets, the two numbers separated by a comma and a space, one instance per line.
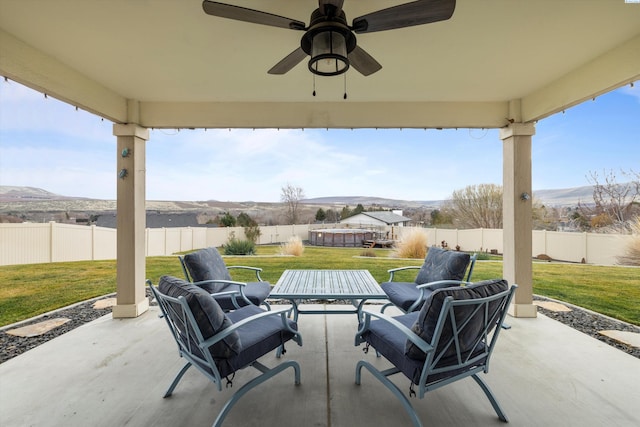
[345, 86]
[314, 85]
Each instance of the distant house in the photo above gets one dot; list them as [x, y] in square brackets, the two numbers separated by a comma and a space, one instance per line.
[157, 220]
[377, 219]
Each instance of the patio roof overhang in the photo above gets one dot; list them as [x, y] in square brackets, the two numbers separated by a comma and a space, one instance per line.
[168, 64]
[164, 64]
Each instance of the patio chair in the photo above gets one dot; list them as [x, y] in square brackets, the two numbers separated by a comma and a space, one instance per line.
[441, 269]
[219, 344]
[207, 269]
[452, 337]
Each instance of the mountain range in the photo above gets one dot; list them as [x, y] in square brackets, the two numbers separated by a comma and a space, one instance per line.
[15, 199]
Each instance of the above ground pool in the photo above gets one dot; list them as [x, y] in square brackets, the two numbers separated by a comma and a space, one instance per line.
[340, 237]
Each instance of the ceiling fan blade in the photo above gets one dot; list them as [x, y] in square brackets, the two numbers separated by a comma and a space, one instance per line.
[250, 15]
[288, 62]
[363, 62]
[337, 4]
[405, 15]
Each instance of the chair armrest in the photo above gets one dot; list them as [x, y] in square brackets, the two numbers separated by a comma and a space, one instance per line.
[438, 284]
[394, 270]
[227, 282]
[257, 270]
[219, 294]
[408, 333]
[282, 312]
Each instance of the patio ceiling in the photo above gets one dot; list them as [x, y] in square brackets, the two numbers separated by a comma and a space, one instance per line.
[168, 64]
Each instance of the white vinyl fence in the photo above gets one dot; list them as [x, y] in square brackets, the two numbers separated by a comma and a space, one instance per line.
[53, 242]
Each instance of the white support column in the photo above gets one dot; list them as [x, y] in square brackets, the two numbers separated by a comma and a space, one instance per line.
[517, 215]
[131, 220]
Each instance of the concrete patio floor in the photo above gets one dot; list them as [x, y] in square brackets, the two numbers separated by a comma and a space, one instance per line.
[114, 373]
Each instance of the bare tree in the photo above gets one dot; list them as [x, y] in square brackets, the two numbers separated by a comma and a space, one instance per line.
[614, 204]
[476, 206]
[291, 196]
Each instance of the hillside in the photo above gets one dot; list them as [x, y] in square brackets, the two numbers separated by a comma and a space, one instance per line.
[558, 197]
[29, 199]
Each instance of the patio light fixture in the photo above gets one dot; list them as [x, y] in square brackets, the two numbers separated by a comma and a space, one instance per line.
[328, 42]
[328, 54]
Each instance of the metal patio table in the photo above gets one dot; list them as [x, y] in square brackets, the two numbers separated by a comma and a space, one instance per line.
[356, 286]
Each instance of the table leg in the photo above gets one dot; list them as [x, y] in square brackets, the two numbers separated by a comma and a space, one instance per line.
[359, 311]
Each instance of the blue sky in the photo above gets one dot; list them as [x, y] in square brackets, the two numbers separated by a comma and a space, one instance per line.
[47, 144]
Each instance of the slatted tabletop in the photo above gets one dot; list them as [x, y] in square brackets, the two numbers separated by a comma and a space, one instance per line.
[327, 284]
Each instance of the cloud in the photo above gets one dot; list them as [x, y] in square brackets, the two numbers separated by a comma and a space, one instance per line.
[25, 110]
[631, 91]
[47, 144]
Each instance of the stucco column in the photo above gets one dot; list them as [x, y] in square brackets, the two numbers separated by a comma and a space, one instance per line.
[131, 220]
[517, 215]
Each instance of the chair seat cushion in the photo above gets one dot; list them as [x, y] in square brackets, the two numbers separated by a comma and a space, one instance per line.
[401, 294]
[207, 264]
[256, 292]
[385, 339]
[428, 317]
[208, 315]
[258, 338]
[441, 264]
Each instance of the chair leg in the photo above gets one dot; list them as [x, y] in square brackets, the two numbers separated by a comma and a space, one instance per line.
[177, 379]
[491, 397]
[391, 386]
[266, 374]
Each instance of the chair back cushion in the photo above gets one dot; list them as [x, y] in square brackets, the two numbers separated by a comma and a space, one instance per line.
[441, 264]
[207, 264]
[208, 315]
[425, 325]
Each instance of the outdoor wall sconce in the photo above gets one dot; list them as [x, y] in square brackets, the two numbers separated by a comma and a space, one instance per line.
[122, 174]
[525, 196]
[125, 153]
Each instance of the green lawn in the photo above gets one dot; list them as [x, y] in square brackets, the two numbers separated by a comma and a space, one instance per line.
[29, 290]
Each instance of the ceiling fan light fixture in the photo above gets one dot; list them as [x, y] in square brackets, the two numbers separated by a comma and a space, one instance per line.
[328, 53]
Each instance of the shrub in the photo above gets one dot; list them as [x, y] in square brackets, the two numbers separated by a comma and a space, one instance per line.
[293, 247]
[632, 253]
[252, 232]
[227, 220]
[483, 256]
[413, 244]
[369, 253]
[239, 247]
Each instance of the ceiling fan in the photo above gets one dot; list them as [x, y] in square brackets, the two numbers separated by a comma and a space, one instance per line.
[329, 40]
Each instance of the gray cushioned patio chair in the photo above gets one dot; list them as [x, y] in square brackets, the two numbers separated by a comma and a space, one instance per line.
[219, 344]
[452, 337]
[441, 269]
[207, 269]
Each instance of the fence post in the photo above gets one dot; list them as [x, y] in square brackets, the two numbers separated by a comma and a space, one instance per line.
[164, 251]
[93, 243]
[585, 246]
[52, 225]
